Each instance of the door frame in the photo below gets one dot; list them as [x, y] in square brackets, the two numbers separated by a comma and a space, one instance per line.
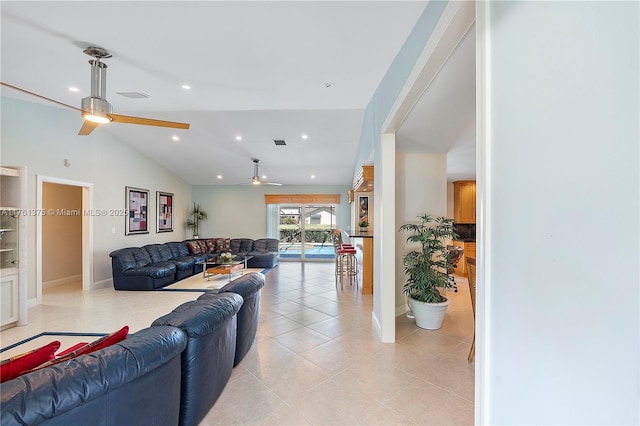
[87, 231]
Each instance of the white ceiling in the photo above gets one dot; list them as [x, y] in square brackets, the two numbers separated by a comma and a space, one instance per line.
[257, 69]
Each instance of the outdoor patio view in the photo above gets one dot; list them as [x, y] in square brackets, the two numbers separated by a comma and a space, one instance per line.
[306, 232]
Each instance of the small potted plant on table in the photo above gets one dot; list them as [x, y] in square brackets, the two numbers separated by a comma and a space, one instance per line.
[226, 257]
[364, 225]
[426, 269]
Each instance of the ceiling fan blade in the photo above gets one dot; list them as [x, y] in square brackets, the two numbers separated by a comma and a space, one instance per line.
[39, 96]
[87, 127]
[147, 121]
[272, 183]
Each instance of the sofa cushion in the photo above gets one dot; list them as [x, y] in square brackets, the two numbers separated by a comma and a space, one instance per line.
[266, 245]
[141, 256]
[154, 252]
[241, 245]
[19, 364]
[165, 252]
[162, 270]
[178, 248]
[124, 258]
[203, 246]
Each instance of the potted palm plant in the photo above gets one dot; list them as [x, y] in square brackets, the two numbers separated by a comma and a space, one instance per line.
[195, 216]
[426, 269]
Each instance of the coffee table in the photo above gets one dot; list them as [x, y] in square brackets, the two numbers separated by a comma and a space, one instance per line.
[214, 267]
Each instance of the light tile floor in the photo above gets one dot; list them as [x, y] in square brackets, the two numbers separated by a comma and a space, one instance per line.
[317, 359]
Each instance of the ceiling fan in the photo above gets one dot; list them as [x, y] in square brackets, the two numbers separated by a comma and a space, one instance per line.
[256, 179]
[95, 109]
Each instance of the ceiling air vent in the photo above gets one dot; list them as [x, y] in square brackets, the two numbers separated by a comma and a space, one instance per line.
[134, 95]
[279, 142]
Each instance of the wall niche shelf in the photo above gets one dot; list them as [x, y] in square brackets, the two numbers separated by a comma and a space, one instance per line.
[13, 238]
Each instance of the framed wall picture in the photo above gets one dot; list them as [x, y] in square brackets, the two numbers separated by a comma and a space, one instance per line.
[138, 211]
[363, 208]
[164, 209]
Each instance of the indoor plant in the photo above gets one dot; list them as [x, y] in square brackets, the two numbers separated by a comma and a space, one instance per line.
[195, 216]
[363, 224]
[426, 269]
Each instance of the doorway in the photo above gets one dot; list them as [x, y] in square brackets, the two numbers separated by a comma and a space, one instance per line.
[306, 232]
[61, 235]
[65, 208]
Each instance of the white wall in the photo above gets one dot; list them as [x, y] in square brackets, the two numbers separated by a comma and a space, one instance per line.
[41, 137]
[421, 187]
[559, 281]
[239, 211]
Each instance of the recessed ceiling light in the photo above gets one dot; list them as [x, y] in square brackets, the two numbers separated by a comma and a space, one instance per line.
[186, 87]
[73, 89]
[305, 137]
[313, 176]
[264, 176]
[238, 138]
[219, 176]
[175, 138]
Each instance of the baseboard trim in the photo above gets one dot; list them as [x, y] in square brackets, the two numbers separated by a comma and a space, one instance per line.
[401, 310]
[61, 281]
[376, 325]
[102, 284]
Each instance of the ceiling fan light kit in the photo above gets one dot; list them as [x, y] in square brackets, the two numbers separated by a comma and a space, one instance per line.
[95, 109]
[256, 179]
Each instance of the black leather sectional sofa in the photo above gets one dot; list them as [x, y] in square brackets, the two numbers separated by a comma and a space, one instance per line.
[157, 265]
[168, 374]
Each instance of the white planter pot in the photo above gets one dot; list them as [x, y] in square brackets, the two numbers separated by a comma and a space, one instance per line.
[428, 315]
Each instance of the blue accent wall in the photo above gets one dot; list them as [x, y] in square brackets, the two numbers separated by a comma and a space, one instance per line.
[391, 85]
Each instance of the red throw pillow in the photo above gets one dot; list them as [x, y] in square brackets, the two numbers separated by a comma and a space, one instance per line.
[19, 364]
[103, 342]
[71, 349]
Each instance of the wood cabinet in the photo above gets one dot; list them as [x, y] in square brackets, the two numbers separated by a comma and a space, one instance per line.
[469, 250]
[364, 180]
[464, 201]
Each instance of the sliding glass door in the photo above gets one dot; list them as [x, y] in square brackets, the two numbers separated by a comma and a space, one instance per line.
[306, 230]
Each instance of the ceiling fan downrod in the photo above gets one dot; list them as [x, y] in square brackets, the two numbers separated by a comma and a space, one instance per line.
[96, 108]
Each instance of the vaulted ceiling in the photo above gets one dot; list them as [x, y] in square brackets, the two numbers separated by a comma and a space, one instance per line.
[259, 70]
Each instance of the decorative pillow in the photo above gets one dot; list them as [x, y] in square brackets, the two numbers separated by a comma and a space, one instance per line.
[194, 247]
[226, 244]
[203, 246]
[211, 245]
[19, 364]
[219, 243]
[71, 349]
[103, 342]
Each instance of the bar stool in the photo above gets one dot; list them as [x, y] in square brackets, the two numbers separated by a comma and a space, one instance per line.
[346, 262]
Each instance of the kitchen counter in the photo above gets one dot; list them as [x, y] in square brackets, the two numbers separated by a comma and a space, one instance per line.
[469, 247]
[366, 268]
